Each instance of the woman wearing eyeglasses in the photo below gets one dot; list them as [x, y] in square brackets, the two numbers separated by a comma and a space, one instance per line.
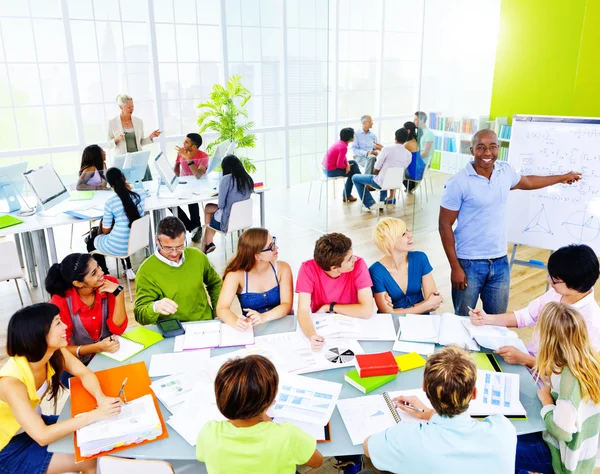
[263, 285]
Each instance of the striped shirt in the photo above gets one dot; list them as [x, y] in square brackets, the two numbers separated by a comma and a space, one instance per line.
[117, 241]
[572, 426]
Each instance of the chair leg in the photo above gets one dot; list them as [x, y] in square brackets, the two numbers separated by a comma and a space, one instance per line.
[129, 289]
[321, 193]
[71, 241]
[333, 184]
[19, 291]
[28, 289]
[309, 191]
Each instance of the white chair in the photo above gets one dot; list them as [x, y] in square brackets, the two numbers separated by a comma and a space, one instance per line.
[139, 238]
[419, 181]
[391, 180]
[319, 175]
[427, 174]
[115, 465]
[240, 218]
[10, 266]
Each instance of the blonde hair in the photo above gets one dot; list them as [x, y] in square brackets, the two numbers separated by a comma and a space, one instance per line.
[122, 99]
[449, 380]
[564, 342]
[387, 232]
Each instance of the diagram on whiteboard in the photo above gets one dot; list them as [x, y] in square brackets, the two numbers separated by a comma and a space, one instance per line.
[539, 223]
[582, 226]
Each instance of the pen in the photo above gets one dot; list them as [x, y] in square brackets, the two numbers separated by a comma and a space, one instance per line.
[122, 391]
[470, 309]
[410, 407]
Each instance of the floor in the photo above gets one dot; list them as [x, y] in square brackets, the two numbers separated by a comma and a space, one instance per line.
[297, 222]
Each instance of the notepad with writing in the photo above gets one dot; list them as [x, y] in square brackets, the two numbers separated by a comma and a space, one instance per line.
[433, 328]
[133, 342]
[204, 335]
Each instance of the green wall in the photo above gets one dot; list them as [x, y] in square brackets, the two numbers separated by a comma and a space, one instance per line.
[547, 59]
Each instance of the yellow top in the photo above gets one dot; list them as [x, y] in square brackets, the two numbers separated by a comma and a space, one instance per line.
[19, 368]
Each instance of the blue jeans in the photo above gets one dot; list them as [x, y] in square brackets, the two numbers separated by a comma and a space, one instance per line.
[533, 455]
[362, 180]
[488, 278]
[336, 173]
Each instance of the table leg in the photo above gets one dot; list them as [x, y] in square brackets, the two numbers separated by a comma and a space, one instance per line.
[28, 252]
[19, 250]
[52, 245]
[43, 264]
[262, 209]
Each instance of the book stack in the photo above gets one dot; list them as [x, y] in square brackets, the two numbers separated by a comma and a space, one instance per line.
[468, 126]
[372, 371]
[505, 131]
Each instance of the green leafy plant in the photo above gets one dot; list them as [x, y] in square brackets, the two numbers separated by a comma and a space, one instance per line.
[224, 114]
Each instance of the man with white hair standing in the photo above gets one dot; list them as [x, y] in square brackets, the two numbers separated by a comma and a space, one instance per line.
[365, 147]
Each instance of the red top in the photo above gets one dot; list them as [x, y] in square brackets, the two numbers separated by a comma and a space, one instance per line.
[200, 159]
[91, 318]
[336, 156]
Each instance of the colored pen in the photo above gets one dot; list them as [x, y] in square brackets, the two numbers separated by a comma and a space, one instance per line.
[410, 407]
[122, 391]
[470, 309]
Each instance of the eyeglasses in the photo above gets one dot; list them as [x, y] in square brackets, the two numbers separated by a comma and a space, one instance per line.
[171, 249]
[483, 148]
[271, 247]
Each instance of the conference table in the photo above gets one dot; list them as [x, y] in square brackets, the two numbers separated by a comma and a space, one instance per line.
[175, 448]
[37, 249]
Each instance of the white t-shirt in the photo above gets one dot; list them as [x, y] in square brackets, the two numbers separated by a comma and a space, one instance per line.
[391, 156]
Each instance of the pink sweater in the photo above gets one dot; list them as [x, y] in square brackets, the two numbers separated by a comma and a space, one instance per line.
[336, 156]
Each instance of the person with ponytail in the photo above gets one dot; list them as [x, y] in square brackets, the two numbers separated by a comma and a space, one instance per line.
[250, 275]
[417, 166]
[92, 170]
[119, 213]
[36, 345]
[570, 367]
[91, 305]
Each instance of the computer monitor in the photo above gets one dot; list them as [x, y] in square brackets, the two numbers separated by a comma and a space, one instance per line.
[12, 183]
[230, 149]
[119, 161]
[47, 186]
[166, 173]
[218, 155]
[135, 166]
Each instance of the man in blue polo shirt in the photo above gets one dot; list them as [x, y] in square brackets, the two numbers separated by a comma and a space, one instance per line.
[476, 249]
[447, 440]
[365, 147]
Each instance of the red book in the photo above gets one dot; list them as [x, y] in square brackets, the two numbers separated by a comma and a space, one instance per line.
[372, 365]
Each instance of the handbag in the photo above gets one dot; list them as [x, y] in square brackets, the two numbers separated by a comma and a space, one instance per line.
[91, 235]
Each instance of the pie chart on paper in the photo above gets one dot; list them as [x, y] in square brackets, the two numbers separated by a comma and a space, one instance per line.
[339, 355]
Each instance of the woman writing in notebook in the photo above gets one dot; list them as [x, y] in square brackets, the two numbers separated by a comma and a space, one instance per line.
[92, 170]
[248, 441]
[263, 285]
[91, 305]
[36, 345]
[570, 403]
[402, 280]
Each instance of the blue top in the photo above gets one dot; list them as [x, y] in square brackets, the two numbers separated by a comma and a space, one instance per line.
[480, 231]
[363, 143]
[117, 242]
[417, 166]
[418, 265]
[261, 302]
[454, 445]
[228, 194]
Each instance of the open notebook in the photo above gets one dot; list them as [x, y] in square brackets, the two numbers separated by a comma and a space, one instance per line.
[494, 337]
[433, 328]
[132, 342]
[204, 335]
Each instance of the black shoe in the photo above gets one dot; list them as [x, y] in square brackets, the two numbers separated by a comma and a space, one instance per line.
[197, 234]
[209, 248]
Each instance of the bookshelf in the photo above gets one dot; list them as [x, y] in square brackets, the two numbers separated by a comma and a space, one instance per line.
[453, 139]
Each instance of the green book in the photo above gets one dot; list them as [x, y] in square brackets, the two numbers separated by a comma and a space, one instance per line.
[485, 361]
[133, 342]
[8, 221]
[143, 336]
[367, 384]
[81, 196]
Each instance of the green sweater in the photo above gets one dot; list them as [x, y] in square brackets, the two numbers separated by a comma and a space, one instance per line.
[185, 285]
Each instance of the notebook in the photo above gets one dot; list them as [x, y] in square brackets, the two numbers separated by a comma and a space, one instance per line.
[204, 335]
[440, 329]
[373, 365]
[409, 361]
[367, 384]
[138, 385]
[81, 196]
[486, 361]
[321, 433]
[367, 415]
[494, 337]
[8, 221]
[133, 342]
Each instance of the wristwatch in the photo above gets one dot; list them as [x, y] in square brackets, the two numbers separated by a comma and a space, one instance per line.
[331, 310]
[190, 163]
[117, 291]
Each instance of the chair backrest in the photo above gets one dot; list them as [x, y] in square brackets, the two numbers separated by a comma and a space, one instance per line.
[240, 216]
[114, 465]
[10, 267]
[392, 179]
[139, 234]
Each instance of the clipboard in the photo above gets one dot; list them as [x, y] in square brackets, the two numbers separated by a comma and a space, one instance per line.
[138, 385]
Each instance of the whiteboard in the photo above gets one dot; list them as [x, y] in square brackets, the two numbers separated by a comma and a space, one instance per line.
[561, 214]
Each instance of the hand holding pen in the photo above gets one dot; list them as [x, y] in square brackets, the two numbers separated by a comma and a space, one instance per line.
[414, 406]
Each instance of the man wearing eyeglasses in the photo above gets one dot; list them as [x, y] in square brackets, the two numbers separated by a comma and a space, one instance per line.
[476, 249]
[172, 282]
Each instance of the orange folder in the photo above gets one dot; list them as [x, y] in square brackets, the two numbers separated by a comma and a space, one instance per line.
[138, 385]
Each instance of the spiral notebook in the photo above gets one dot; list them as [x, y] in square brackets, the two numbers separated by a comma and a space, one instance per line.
[365, 416]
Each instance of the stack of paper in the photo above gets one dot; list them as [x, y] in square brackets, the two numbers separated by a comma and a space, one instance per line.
[137, 422]
[379, 327]
[494, 337]
[206, 335]
[432, 328]
[174, 390]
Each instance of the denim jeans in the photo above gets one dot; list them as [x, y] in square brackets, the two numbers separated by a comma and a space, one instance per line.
[362, 180]
[533, 455]
[486, 278]
[336, 173]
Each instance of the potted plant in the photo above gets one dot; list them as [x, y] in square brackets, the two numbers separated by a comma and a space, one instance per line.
[223, 114]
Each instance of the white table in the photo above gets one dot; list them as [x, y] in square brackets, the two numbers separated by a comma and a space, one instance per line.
[34, 228]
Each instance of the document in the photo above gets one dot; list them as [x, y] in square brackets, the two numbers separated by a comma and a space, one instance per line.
[494, 337]
[379, 327]
[314, 430]
[432, 328]
[329, 324]
[174, 390]
[423, 348]
[178, 362]
[497, 392]
[211, 334]
[126, 350]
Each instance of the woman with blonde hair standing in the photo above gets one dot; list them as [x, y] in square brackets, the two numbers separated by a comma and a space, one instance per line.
[403, 275]
[263, 285]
